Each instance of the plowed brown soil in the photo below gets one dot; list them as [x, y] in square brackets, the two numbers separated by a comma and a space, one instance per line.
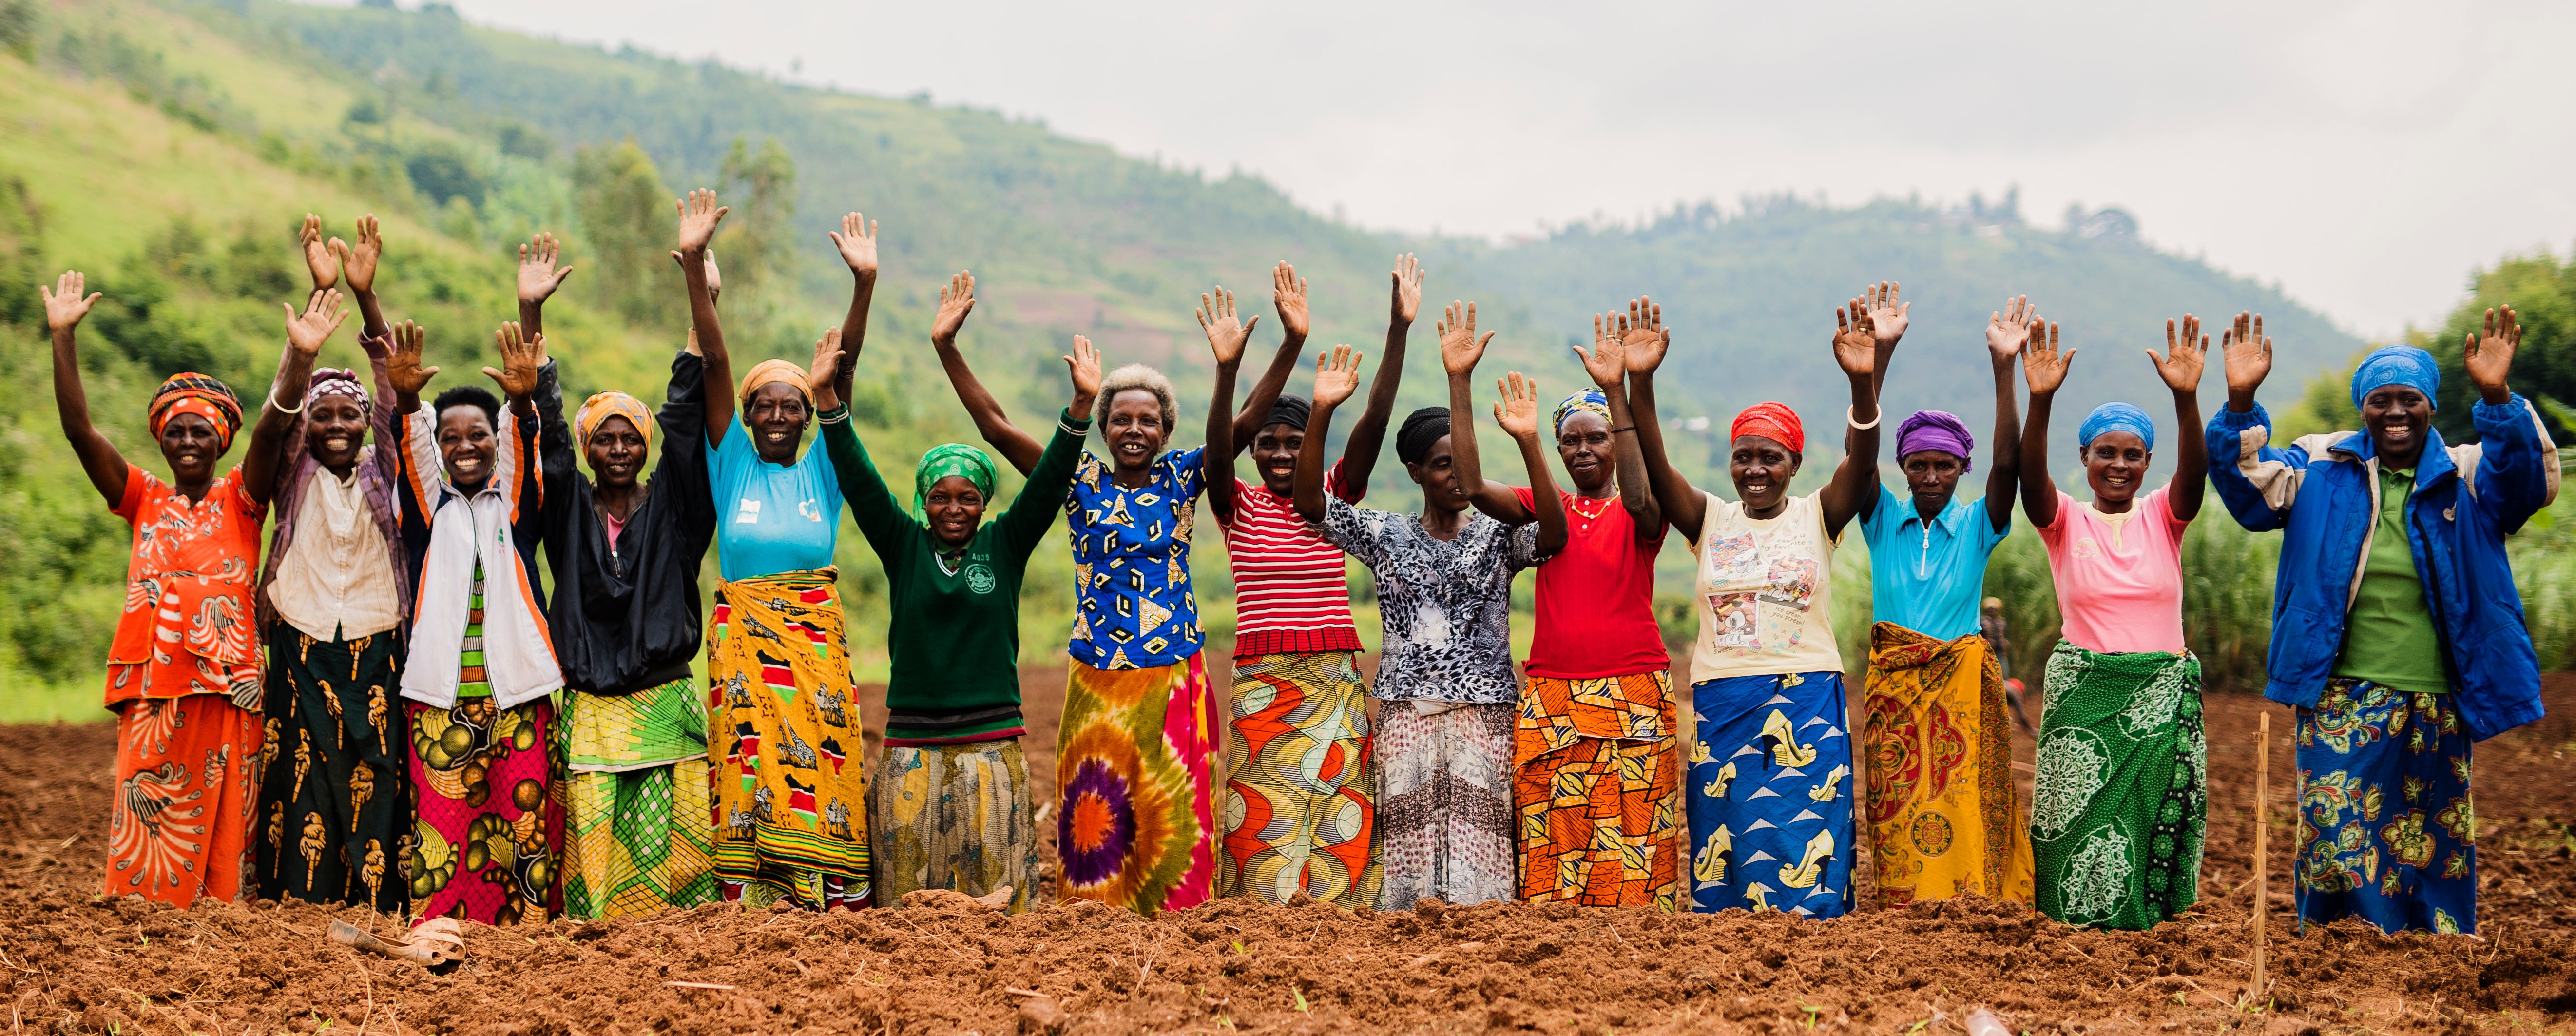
[71, 961]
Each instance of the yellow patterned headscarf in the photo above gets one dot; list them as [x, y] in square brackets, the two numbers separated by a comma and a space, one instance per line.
[773, 372]
[596, 411]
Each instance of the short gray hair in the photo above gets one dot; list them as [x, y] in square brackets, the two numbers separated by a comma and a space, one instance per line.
[1134, 377]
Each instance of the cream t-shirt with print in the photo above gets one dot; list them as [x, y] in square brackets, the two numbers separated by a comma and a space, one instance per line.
[1764, 592]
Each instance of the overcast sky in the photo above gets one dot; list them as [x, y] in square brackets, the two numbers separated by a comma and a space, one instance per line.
[2366, 156]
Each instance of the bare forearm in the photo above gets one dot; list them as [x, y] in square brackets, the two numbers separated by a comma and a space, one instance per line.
[1462, 434]
[1546, 508]
[711, 345]
[1359, 453]
[1220, 443]
[1265, 393]
[1681, 507]
[2038, 490]
[854, 326]
[371, 314]
[2191, 466]
[532, 317]
[98, 457]
[1634, 492]
[1306, 491]
[2001, 480]
[1857, 476]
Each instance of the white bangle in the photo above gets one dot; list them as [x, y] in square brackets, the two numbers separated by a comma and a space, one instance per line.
[299, 407]
[1855, 424]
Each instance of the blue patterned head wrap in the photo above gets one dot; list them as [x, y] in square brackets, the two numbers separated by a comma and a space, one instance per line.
[2396, 365]
[2117, 417]
[1589, 400]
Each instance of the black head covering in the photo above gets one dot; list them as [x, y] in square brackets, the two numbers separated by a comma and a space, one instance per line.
[1289, 410]
[1420, 430]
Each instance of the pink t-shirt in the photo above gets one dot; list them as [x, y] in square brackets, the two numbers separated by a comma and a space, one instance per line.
[2119, 576]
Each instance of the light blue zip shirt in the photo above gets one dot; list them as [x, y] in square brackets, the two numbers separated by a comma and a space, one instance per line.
[1929, 577]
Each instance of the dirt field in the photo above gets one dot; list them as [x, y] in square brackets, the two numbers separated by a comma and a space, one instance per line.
[72, 962]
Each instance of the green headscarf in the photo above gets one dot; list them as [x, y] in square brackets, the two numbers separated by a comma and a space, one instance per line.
[947, 459]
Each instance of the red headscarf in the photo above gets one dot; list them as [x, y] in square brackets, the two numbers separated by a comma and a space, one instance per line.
[1773, 421]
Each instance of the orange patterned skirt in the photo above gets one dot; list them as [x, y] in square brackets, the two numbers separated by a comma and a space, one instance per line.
[187, 785]
[1593, 779]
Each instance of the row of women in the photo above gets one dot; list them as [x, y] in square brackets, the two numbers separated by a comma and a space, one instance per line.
[393, 711]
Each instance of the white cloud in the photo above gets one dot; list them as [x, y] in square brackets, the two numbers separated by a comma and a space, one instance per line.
[2366, 156]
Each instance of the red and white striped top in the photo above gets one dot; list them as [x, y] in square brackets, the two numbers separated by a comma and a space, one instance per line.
[1289, 591]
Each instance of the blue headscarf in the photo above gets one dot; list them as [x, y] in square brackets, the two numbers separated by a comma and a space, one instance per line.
[2395, 365]
[2117, 417]
[1590, 400]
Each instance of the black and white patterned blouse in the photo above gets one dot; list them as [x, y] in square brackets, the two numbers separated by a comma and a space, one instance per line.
[1446, 604]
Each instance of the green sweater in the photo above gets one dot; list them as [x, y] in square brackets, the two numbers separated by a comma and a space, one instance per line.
[955, 635]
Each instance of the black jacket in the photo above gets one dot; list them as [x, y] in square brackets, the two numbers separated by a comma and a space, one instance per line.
[627, 619]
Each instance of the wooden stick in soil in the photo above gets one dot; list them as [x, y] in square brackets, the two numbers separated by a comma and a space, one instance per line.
[2262, 829]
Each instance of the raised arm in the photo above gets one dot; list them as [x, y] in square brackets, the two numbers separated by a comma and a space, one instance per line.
[1359, 452]
[1288, 293]
[319, 257]
[523, 357]
[2006, 332]
[1460, 348]
[1337, 375]
[305, 334]
[1018, 448]
[2043, 367]
[1226, 335]
[403, 370]
[699, 217]
[2517, 463]
[65, 305]
[1682, 506]
[1042, 496]
[1867, 331]
[539, 276]
[2180, 366]
[1517, 412]
[2258, 484]
[857, 240]
[1610, 336]
[358, 265]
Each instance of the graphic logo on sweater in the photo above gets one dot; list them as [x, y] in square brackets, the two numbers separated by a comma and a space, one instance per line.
[979, 578]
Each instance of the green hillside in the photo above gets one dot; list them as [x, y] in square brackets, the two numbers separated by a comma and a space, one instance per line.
[169, 147]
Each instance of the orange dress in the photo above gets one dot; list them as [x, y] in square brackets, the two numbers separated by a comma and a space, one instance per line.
[183, 661]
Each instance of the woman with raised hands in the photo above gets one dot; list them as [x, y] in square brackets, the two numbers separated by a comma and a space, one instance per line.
[1301, 786]
[1769, 782]
[1444, 579]
[790, 801]
[1593, 764]
[950, 807]
[1944, 818]
[335, 789]
[183, 671]
[2397, 633]
[2120, 797]
[625, 554]
[480, 665]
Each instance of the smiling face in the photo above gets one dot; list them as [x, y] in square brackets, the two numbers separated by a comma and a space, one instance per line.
[191, 447]
[335, 428]
[616, 452]
[1590, 456]
[1437, 474]
[777, 417]
[2398, 417]
[466, 446]
[1135, 430]
[955, 510]
[1933, 476]
[2115, 463]
[1761, 468]
[1274, 455]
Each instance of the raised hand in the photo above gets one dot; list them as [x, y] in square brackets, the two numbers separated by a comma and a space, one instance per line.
[1459, 346]
[1288, 293]
[1407, 301]
[1083, 369]
[827, 358]
[2490, 355]
[322, 316]
[1644, 335]
[1225, 333]
[64, 303]
[1607, 360]
[404, 369]
[2247, 355]
[538, 274]
[955, 301]
[317, 254]
[2185, 355]
[358, 262]
[857, 240]
[1517, 411]
[2009, 329]
[699, 215]
[2042, 366]
[1337, 375]
[521, 357]
[1855, 341]
[1886, 315]
[715, 276]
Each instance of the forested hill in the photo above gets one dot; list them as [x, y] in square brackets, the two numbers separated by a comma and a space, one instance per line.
[169, 148]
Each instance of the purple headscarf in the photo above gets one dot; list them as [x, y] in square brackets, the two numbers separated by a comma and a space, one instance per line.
[1936, 430]
[339, 381]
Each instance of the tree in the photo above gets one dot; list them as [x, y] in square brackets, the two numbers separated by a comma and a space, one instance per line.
[628, 220]
[2542, 291]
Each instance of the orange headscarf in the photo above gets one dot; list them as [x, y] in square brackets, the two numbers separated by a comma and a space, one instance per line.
[596, 411]
[1773, 421]
[191, 393]
[773, 372]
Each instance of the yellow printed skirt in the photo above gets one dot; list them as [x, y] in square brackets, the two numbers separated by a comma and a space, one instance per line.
[1943, 818]
[635, 792]
[789, 792]
[1593, 776]
[1301, 784]
[954, 817]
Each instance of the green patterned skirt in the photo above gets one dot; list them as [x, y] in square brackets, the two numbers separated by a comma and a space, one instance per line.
[635, 798]
[2121, 798]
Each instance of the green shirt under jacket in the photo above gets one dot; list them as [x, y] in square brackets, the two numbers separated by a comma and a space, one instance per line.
[2389, 637]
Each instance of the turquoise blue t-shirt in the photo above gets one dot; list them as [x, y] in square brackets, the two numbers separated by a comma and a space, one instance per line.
[772, 519]
[1928, 577]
